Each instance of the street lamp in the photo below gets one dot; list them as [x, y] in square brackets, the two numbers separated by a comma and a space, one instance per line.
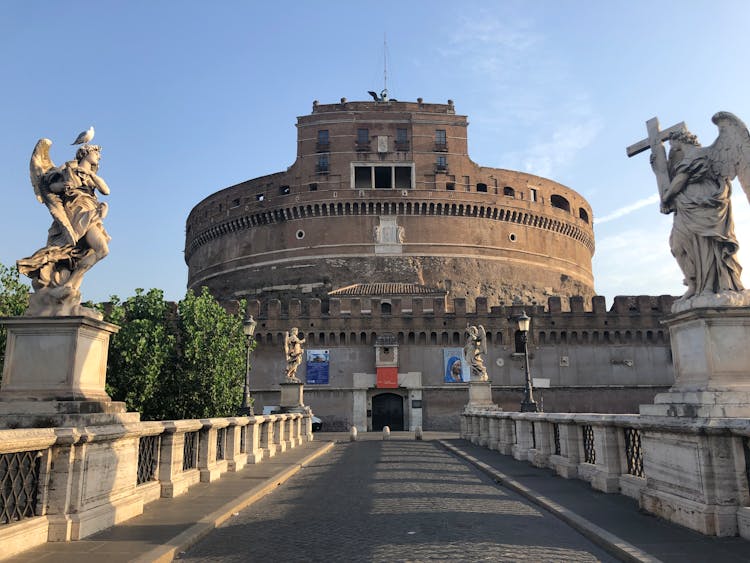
[248, 328]
[527, 404]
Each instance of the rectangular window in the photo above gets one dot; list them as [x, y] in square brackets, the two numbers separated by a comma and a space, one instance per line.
[403, 177]
[401, 135]
[322, 163]
[442, 161]
[467, 183]
[440, 138]
[362, 177]
[383, 177]
[450, 186]
[368, 176]
[532, 194]
[323, 137]
[363, 136]
[313, 187]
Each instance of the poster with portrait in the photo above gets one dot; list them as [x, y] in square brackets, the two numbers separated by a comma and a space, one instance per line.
[456, 368]
[317, 367]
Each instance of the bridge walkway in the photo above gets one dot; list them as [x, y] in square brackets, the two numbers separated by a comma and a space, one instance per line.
[394, 500]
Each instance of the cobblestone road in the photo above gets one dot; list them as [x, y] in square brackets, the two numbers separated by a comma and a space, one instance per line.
[393, 501]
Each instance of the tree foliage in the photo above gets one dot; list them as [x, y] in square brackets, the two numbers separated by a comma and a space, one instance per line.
[174, 363]
[142, 353]
[14, 298]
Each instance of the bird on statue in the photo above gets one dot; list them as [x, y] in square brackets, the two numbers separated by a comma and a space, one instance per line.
[84, 137]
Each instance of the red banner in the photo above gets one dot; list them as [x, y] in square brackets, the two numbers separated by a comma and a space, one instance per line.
[387, 378]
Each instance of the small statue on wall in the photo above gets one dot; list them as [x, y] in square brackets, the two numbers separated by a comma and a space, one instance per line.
[695, 184]
[76, 240]
[294, 351]
[474, 350]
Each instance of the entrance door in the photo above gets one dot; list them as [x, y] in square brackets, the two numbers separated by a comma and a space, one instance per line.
[387, 410]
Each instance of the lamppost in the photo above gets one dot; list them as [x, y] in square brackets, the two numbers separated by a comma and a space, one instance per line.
[248, 327]
[527, 404]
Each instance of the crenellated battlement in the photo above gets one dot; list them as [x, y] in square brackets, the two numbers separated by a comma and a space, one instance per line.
[438, 321]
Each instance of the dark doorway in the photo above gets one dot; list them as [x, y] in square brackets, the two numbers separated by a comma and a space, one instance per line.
[387, 410]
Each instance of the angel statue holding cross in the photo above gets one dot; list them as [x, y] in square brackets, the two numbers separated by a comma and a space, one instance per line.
[695, 183]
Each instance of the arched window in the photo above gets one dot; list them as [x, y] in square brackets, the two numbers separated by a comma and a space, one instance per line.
[508, 191]
[560, 202]
[385, 308]
[583, 214]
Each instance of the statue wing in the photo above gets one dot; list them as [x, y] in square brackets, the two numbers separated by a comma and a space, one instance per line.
[730, 153]
[482, 339]
[40, 164]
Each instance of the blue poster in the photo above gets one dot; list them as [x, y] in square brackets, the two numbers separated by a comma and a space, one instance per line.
[317, 367]
[456, 368]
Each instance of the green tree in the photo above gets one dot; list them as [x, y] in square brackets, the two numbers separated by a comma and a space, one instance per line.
[169, 363]
[14, 298]
[142, 354]
[211, 359]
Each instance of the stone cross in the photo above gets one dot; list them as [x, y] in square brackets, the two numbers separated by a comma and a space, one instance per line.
[654, 136]
[654, 142]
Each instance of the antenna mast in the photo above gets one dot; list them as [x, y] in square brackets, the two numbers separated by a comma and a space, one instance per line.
[385, 64]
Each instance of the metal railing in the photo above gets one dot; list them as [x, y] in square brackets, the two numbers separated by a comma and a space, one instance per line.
[589, 451]
[19, 485]
[148, 458]
[633, 452]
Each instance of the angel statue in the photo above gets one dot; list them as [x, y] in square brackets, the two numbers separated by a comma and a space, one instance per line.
[695, 183]
[76, 240]
[293, 349]
[474, 349]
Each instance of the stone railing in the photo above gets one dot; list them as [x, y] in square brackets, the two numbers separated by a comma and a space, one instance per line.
[60, 484]
[694, 472]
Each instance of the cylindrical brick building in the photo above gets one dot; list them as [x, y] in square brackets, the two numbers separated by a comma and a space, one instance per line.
[385, 191]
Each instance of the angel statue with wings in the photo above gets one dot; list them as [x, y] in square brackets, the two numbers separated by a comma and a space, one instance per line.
[695, 183]
[76, 240]
[474, 350]
[293, 349]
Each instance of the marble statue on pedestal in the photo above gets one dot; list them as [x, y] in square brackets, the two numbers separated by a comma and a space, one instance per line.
[474, 350]
[294, 351]
[77, 239]
[695, 184]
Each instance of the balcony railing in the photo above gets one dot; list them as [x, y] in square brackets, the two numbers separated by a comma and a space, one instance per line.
[362, 146]
[441, 147]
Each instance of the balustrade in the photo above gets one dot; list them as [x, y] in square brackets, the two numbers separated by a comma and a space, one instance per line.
[167, 459]
[617, 454]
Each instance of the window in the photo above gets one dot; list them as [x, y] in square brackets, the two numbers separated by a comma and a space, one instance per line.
[322, 167]
[383, 176]
[440, 139]
[509, 192]
[583, 214]
[533, 194]
[402, 140]
[441, 163]
[560, 202]
[450, 186]
[313, 187]
[363, 139]
[482, 188]
[235, 203]
[323, 143]
[260, 197]
[467, 183]
[284, 190]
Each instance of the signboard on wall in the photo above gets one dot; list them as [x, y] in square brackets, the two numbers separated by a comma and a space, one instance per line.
[387, 378]
[317, 367]
[455, 367]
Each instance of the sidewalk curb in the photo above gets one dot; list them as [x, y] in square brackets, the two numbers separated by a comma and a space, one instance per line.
[609, 542]
[196, 532]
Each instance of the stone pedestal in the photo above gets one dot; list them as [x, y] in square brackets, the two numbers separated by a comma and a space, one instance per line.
[480, 395]
[292, 394]
[698, 479]
[711, 351]
[54, 374]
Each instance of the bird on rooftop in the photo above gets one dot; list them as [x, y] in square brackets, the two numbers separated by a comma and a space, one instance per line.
[84, 137]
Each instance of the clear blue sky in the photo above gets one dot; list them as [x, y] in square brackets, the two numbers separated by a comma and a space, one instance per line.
[189, 97]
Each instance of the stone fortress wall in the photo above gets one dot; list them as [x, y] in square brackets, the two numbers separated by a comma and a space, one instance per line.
[348, 211]
[597, 359]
